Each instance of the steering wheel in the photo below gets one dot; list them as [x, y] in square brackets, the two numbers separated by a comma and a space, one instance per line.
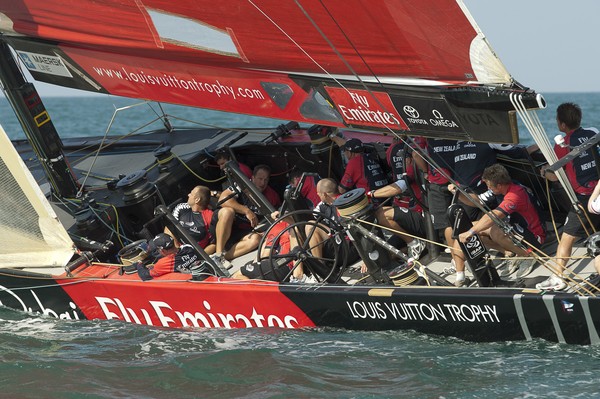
[323, 268]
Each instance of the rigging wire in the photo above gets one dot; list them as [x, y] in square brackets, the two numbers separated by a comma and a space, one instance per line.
[533, 123]
[538, 133]
[295, 43]
[100, 146]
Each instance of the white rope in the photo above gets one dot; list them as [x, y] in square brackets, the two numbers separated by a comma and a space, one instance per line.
[538, 133]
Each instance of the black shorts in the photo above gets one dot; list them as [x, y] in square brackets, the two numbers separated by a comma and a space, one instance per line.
[410, 221]
[238, 230]
[474, 213]
[264, 271]
[438, 200]
[573, 223]
[330, 248]
[529, 236]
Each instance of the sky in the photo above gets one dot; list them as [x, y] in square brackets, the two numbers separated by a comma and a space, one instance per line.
[548, 45]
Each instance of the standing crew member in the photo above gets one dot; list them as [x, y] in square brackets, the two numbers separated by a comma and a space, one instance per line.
[583, 177]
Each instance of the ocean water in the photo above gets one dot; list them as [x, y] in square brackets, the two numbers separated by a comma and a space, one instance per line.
[92, 116]
[46, 358]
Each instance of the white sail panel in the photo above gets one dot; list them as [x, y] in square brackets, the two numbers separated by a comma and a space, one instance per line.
[32, 235]
[487, 66]
[485, 63]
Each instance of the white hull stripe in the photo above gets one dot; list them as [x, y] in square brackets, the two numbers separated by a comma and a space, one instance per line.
[594, 339]
[549, 302]
[521, 315]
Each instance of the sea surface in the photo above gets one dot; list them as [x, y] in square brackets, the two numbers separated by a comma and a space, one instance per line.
[95, 116]
[42, 357]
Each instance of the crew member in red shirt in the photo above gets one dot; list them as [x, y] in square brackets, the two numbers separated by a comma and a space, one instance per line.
[400, 161]
[583, 177]
[516, 206]
[309, 188]
[172, 260]
[362, 171]
[222, 157]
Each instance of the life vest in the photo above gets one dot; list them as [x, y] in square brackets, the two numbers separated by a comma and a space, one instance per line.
[581, 171]
[373, 172]
[396, 156]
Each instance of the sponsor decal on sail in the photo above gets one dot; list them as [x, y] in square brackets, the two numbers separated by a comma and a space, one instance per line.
[363, 108]
[43, 63]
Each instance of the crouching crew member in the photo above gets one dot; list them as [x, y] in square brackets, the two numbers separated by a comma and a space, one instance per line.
[321, 242]
[511, 202]
[172, 260]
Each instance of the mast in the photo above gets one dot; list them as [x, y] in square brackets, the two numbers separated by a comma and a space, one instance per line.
[36, 124]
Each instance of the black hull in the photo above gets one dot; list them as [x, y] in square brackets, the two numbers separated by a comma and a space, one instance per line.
[471, 314]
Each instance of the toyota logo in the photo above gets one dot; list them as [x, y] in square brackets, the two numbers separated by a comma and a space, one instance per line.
[410, 111]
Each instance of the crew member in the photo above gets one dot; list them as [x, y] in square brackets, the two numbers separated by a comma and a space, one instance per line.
[471, 159]
[402, 221]
[510, 201]
[233, 224]
[320, 240]
[172, 260]
[400, 160]
[309, 187]
[363, 170]
[223, 156]
[582, 176]
[195, 216]
[439, 169]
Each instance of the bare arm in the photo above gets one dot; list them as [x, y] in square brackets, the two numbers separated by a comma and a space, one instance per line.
[532, 148]
[421, 164]
[481, 225]
[593, 197]
[238, 208]
[388, 191]
[471, 200]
